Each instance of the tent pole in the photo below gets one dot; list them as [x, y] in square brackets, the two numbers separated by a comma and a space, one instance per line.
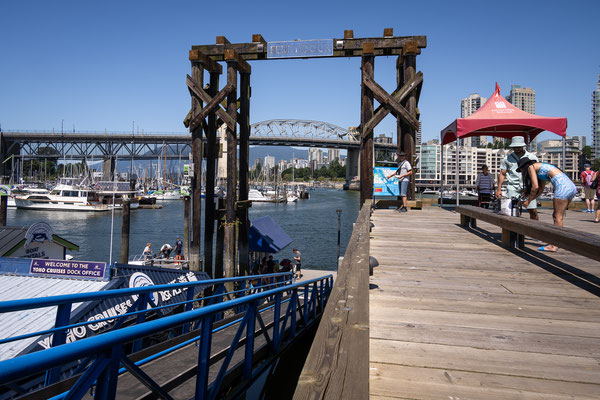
[457, 165]
[442, 174]
[564, 154]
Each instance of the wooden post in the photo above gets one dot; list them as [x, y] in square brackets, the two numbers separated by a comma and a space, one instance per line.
[125, 231]
[409, 55]
[3, 208]
[229, 259]
[220, 240]
[194, 252]
[366, 140]
[211, 159]
[186, 227]
[244, 122]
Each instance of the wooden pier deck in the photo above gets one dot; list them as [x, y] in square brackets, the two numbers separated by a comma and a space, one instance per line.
[453, 315]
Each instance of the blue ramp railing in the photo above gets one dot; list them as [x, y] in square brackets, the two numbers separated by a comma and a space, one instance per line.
[106, 354]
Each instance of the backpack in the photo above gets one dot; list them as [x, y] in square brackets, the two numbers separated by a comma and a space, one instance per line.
[588, 179]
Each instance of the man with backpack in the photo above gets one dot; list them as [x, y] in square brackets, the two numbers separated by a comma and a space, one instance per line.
[589, 192]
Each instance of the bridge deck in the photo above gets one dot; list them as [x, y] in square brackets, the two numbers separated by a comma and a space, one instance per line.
[453, 315]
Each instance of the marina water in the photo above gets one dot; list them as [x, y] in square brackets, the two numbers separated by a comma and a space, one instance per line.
[312, 225]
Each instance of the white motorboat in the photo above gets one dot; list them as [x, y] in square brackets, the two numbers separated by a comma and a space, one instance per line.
[64, 197]
[165, 194]
[257, 196]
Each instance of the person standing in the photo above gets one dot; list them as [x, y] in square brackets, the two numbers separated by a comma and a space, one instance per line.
[587, 178]
[513, 178]
[485, 187]
[148, 251]
[178, 249]
[298, 265]
[403, 174]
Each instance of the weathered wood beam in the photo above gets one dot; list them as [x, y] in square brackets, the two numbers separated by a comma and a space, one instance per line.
[212, 103]
[391, 103]
[257, 38]
[221, 40]
[399, 95]
[351, 47]
[207, 63]
[366, 140]
[232, 56]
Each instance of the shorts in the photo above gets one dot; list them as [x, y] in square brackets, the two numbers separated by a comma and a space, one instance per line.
[403, 185]
[589, 193]
[514, 193]
[564, 188]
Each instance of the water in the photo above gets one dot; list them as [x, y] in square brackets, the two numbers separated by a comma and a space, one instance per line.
[312, 224]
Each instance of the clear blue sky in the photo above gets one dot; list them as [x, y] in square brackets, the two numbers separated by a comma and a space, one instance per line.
[102, 65]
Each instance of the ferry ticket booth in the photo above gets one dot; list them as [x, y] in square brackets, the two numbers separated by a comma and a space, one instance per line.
[36, 241]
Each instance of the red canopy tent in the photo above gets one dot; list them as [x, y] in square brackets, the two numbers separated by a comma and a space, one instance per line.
[498, 117]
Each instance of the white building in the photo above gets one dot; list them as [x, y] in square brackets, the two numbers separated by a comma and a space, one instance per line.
[333, 154]
[596, 119]
[468, 106]
[315, 154]
[269, 162]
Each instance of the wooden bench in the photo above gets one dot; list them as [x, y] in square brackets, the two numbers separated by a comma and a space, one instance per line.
[514, 230]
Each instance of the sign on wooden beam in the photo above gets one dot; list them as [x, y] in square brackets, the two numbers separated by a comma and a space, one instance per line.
[300, 48]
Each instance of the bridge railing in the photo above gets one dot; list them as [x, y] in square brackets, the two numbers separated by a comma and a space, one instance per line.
[103, 355]
[337, 366]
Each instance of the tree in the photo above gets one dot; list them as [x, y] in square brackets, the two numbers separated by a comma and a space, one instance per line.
[587, 152]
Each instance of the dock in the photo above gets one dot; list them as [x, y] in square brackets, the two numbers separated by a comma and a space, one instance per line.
[454, 315]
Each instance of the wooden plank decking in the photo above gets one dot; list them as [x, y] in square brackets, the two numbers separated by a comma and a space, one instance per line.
[453, 315]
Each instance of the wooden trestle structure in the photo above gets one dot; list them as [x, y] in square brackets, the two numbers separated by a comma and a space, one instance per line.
[212, 108]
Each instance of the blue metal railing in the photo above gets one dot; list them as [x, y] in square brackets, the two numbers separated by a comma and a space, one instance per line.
[107, 349]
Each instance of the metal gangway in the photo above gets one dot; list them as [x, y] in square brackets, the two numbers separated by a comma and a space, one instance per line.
[258, 316]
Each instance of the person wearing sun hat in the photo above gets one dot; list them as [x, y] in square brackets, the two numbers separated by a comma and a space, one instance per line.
[513, 178]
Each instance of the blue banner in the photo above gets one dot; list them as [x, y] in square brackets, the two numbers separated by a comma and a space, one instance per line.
[71, 269]
[300, 48]
[383, 186]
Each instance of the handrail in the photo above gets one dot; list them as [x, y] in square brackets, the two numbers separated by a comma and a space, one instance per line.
[337, 366]
[108, 352]
[40, 302]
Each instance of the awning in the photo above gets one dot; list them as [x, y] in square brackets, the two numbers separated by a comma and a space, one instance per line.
[266, 236]
[498, 117]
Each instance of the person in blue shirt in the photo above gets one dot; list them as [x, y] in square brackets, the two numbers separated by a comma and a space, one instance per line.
[535, 176]
[178, 249]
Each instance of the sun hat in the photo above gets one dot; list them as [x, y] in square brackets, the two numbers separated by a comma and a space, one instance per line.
[517, 141]
[523, 162]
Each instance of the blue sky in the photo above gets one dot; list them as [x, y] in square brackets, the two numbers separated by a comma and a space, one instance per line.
[102, 65]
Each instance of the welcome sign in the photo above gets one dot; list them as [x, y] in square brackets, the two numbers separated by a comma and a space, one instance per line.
[69, 269]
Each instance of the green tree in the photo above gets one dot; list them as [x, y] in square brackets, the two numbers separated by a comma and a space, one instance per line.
[587, 152]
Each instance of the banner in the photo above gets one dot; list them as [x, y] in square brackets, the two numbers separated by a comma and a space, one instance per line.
[382, 186]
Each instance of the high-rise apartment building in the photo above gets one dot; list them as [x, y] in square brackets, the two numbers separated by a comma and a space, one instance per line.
[315, 154]
[333, 155]
[524, 99]
[596, 119]
[468, 106]
[419, 134]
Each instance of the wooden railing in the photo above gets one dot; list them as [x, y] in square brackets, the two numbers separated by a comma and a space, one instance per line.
[337, 366]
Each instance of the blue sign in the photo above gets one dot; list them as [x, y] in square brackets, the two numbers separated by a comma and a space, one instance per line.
[71, 269]
[300, 48]
[382, 186]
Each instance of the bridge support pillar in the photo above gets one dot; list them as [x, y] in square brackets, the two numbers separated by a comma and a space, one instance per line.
[108, 169]
[352, 166]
